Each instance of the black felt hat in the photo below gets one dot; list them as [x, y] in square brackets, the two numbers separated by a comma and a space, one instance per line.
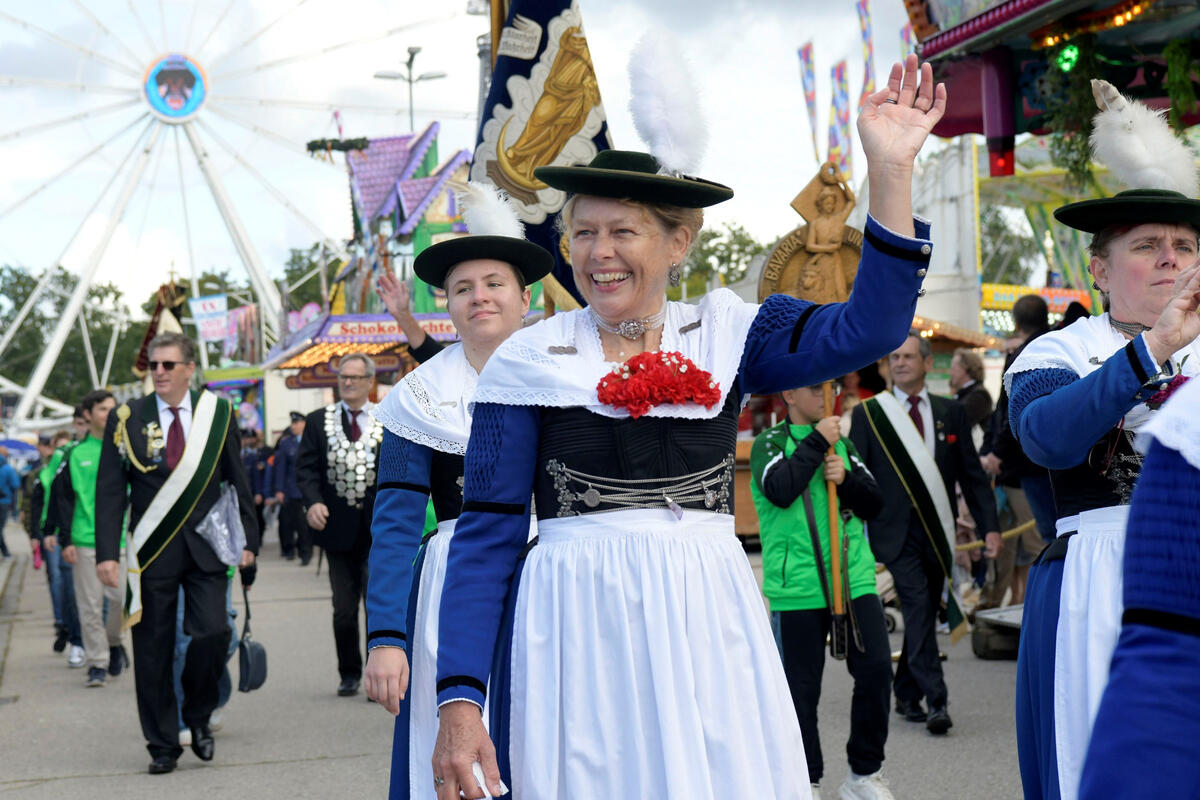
[435, 262]
[633, 175]
[1132, 207]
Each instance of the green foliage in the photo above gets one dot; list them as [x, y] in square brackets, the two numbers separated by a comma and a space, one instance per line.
[1178, 55]
[299, 264]
[1010, 252]
[1069, 111]
[71, 379]
[724, 252]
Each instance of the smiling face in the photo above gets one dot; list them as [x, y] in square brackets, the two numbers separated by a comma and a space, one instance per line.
[170, 384]
[485, 300]
[620, 256]
[1138, 269]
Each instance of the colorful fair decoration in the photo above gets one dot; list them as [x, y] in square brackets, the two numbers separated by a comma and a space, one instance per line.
[175, 87]
[809, 81]
[907, 42]
[839, 120]
[864, 25]
[209, 315]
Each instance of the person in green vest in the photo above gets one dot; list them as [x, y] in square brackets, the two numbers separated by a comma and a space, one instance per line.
[74, 492]
[790, 466]
[59, 574]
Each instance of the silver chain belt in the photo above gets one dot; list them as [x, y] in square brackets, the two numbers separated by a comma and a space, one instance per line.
[708, 486]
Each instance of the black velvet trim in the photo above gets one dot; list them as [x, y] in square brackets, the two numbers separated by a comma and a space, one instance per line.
[889, 249]
[494, 508]
[528, 546]
[1056, 550]
[461, 680]
[412, 487]
[388, 633]
[1161, 619]
[1136, 362]
[798, 328]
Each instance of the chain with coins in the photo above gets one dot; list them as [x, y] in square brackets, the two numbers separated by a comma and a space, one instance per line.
[351, 465]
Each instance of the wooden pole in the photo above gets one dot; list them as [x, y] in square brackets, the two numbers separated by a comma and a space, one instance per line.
[835, 539]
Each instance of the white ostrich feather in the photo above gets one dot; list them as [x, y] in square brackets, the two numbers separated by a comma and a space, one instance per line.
[1136, 144]
[487, 210]
[665, 105]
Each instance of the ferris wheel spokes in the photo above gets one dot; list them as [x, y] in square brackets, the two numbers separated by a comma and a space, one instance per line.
[49, 182]
[134, 57]
[141, 25]
[187, 232]
[74, 86]
[37, 380]
[257, 33]
[48, 273]
[52, 124]
[278, 138]
[213, 29]
[87, 51]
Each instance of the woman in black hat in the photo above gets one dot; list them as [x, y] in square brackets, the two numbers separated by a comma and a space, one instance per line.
[427, 417]
[1078, 397]
[633, 655]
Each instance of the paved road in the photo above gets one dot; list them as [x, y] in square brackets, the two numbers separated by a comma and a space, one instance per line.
[296, 738]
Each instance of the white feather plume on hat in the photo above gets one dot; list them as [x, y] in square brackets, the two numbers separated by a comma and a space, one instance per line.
[665, 105]
[1137, 145]
[486, 210]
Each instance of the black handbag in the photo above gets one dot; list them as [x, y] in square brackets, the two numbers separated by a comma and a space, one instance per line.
[252, 656]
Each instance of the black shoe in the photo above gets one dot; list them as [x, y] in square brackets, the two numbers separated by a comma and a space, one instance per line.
[161, 765]
[348, 687]
[95, 677]
[289, 556]
[939, 721]
[910, 709]
[304, 560]
[60, 638]
[118, 659]
[202, 742]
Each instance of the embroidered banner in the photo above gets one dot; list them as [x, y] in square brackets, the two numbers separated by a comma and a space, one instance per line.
[809, 81]
[839, 119]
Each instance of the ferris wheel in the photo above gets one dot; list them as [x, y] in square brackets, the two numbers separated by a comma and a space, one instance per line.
[160, 84]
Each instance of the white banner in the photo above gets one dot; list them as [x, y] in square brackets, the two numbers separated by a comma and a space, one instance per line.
[209, 313]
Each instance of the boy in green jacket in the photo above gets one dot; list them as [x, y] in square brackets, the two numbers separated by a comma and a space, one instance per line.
[789, 469]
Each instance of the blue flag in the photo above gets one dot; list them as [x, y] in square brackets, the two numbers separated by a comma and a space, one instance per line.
[543, 109]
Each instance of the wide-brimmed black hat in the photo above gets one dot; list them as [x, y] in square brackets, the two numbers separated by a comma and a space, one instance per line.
[1132, 207]
[633, 175]
[435, 262]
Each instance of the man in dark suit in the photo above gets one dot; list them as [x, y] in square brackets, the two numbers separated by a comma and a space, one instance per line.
[294, 535]
[897, 536]
[193, 438]
[336, 467]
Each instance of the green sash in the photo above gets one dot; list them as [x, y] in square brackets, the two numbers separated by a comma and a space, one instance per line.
[922, 480]
[177, 497]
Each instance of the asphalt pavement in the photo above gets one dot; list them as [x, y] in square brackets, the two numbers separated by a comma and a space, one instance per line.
[294, 738]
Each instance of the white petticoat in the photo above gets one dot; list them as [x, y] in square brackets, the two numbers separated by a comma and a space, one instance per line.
[644, 666]
[1089, 622]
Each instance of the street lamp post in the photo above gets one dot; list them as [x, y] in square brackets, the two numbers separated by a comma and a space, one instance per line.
[408, 78]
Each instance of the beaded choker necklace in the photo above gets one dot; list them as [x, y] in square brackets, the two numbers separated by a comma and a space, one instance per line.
[1130, 329]
[632, 329]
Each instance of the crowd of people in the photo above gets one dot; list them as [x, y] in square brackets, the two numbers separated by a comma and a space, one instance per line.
[538, 518]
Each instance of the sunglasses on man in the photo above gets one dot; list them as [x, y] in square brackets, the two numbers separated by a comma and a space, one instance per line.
[166, 365]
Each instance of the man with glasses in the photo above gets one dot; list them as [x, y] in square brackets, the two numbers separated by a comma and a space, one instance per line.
[335, 472]
[170, 452]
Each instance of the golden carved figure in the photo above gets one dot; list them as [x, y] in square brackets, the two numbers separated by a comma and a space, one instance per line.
[570, 93]
[823, 274]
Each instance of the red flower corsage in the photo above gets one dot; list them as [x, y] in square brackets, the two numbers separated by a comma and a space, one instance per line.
[652, 379]
[1162, 395]
[951, 438]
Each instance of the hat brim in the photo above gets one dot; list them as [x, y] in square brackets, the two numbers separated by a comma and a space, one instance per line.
[641, 186]
[434, 263]
[1129, 208]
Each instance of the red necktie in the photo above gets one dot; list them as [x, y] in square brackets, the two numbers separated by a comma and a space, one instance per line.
[174, 439]
[914, 411]
[355, 431]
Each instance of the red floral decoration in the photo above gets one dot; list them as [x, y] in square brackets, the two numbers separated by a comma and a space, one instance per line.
[652, 379]
[1162, 395]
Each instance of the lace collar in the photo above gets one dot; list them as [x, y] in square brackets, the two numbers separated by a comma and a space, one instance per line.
[429, 405]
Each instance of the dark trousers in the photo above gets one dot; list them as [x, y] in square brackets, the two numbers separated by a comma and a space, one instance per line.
[919, 580]
[294, 535]
[205, 620]
[802, 637]
[348, 580]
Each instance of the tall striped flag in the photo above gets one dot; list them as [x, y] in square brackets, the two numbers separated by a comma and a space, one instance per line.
[906, 40]
[864, 24]
[543, 109]
[839, 119]
[808, 79]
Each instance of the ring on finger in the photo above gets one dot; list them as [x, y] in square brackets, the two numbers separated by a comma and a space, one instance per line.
[891, 100]
[438, 781]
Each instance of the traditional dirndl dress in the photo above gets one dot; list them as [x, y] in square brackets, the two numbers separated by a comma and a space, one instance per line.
[641, 661]
[1073, 606]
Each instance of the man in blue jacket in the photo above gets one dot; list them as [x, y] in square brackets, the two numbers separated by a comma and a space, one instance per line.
[294, 535]
[10, 490]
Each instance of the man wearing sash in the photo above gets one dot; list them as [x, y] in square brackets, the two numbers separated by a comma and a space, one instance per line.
[166, 456]
[906, 437]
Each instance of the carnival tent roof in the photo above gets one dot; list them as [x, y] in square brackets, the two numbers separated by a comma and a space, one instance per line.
[329, 336]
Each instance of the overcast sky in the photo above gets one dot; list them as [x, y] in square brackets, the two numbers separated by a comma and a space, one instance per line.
[743, 54]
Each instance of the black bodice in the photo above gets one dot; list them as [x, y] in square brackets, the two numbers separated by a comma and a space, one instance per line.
[446, 485]
[1105, 478]
[639, 463]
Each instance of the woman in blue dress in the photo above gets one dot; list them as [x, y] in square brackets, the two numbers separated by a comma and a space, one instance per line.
[1077, 398]
[427, 417]
[634, 655]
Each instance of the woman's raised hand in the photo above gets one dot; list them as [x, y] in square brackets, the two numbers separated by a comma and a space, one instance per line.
[896, 120]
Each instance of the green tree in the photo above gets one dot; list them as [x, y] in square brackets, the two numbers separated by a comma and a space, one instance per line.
[71, 379]
[724, 252]
[1010, 251]
[299, 267]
